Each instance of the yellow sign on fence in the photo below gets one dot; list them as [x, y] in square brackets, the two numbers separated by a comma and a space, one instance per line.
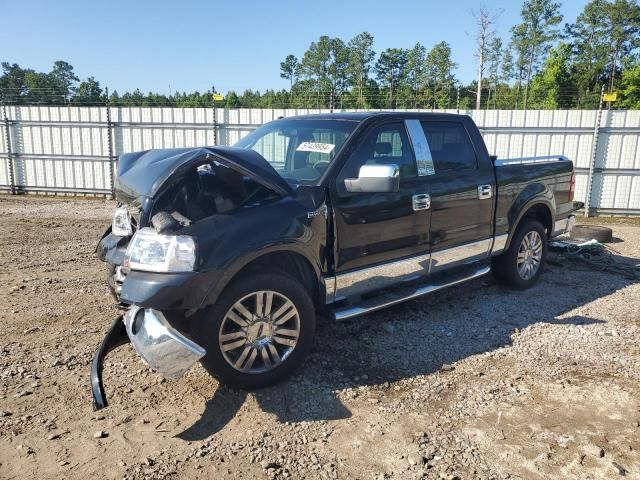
[610, 97]
[217, 97]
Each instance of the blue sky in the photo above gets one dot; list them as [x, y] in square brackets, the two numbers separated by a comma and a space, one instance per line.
[191, 45]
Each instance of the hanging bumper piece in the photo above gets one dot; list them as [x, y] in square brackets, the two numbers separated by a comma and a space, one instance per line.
[116, 337]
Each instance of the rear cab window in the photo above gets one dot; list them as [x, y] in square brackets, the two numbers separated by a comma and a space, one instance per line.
[450, 146]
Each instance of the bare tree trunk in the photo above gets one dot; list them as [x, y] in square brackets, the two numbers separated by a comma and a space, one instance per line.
[480, 71]
[485, 20]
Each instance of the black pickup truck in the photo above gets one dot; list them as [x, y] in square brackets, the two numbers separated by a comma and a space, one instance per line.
[226, 255]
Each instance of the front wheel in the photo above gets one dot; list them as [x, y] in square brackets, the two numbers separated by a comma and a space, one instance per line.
[521, 265]
[257, 332]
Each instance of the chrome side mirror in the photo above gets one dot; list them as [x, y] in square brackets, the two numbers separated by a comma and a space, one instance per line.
[375, 179]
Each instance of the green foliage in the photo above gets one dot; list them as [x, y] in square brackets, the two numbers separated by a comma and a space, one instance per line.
[605, 33]
[289, 69]
[88, 92]
[232, 100]
[416, 73]
[391, 72]
[361, 55]
[550, 87]
[440, 74]
[539, 28]
[64, 79]
[630, 88]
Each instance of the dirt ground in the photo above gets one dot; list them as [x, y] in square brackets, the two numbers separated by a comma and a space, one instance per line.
[473, 382]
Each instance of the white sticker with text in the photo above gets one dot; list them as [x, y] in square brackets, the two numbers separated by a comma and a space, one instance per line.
[315, 147]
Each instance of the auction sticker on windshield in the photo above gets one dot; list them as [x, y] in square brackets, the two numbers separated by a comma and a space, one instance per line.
[315, 147]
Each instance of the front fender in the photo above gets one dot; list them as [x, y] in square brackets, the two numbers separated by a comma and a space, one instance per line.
[232, 269]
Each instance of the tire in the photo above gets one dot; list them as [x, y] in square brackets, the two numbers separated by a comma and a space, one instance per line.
[222, 328]
[506, 268]
[585, 233]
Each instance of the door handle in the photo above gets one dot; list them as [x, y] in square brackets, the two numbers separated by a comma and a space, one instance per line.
[485, 191]
[421, 201]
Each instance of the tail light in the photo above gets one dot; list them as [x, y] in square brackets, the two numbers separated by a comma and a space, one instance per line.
[572, 187]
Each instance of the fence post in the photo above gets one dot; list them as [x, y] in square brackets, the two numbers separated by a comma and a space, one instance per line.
[110, 143]
[7, 141]
[594, 154]
[215, 125]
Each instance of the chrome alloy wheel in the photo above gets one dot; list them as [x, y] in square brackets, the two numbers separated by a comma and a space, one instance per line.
[259, 332]
[529, 255]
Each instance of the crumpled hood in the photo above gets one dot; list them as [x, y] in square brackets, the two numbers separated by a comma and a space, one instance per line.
[143, 174]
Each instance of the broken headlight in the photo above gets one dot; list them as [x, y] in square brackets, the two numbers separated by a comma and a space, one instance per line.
[121, 224]
[150, 251]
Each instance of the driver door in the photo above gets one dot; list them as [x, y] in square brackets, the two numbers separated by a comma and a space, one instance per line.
[380, 237]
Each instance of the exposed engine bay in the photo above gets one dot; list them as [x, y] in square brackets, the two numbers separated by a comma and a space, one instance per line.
[207, 189]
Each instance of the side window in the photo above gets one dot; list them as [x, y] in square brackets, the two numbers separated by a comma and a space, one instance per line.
[450, 145]
[384, 145]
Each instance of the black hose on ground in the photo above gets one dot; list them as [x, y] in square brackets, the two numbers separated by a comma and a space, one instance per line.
[595, 256]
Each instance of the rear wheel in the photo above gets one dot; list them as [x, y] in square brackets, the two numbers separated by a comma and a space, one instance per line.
[521, 265]
[258, 332]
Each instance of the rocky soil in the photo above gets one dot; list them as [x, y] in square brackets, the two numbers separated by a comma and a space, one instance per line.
[474, 382]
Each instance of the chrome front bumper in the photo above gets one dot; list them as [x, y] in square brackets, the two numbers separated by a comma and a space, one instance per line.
[564, 226]
[160, 345]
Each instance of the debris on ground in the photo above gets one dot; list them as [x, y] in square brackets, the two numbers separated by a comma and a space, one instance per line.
[594, 255]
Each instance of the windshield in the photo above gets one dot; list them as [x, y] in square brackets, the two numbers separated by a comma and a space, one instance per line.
[299, 150]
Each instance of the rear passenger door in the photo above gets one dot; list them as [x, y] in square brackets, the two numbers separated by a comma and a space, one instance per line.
[461, 197]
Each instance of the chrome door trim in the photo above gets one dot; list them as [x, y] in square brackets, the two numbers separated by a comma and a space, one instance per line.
[462, 254]
[363, 280]
[499, 243]
[384, 275]
[421, 148]
[330, 288]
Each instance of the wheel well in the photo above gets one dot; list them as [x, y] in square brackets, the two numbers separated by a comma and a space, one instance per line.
[541, 213]
[288, 263]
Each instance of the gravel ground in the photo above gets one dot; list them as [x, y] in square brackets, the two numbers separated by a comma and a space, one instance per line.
[473, 382]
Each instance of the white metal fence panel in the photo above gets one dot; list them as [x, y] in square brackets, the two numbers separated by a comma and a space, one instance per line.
[520, 133]
[73, 149]
[59, 149]
[616, 184]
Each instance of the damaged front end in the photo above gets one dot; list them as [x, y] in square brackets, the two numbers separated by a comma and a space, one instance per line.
[171, 206]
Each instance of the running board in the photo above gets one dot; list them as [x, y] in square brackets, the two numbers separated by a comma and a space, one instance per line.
[386, 298]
